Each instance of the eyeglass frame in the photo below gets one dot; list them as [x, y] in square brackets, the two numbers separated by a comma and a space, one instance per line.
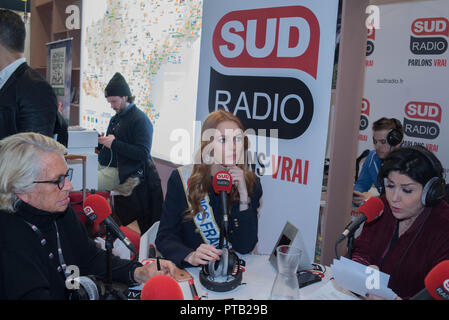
[60, 180]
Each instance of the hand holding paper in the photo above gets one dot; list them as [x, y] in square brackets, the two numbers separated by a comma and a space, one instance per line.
[361, 279]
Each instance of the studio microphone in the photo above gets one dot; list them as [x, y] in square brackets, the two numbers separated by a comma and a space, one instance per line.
[436, 283]
[222, 184]
[369, 211]
[161, 287]
[97, 209]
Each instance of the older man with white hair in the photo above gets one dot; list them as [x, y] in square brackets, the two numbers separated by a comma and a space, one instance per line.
[40, 235]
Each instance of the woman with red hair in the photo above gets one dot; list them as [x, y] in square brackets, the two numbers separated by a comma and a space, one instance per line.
[189, 228]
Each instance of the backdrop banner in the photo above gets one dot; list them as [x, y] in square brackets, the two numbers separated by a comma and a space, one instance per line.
[270, 63]
[407, 75]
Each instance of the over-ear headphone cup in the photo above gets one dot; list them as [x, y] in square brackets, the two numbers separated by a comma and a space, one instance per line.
[394, 137]
[219, 267]
[433, 192]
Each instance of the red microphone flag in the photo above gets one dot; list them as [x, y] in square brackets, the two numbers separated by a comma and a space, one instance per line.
[222, 182]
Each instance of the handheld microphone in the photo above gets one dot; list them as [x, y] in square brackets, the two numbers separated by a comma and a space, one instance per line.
[161, 287]
[436, 283]
[222, 184]
[97, 209]
[369, 211]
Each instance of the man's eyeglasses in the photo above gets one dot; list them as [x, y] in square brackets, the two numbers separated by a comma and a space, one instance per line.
[60, 182]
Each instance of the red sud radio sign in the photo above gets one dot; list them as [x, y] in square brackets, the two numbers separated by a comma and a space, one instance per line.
[429, 36]
[276, 38]
[422, 120]
[280, 37]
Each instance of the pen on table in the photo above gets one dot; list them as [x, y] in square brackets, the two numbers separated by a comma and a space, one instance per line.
[158, 264]
[193, 290]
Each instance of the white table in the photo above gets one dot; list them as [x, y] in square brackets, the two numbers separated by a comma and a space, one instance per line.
[257, 281]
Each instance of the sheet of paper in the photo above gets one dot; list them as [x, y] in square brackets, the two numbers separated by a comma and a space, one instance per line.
[330, 291]
[361, 279]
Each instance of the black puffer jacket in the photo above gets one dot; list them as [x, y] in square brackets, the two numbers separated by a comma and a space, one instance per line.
[27, 103]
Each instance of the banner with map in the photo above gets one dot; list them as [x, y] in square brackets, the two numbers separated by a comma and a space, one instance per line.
[155, 46]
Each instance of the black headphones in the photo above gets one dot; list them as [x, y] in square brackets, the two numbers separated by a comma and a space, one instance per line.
[228, 266]
[395, 136]
[435, 189]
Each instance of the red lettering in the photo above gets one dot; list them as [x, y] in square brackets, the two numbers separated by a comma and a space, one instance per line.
[306, 172]
[285, 37]
[297, 171]
[291, 173]
[363, 137]
[275, 167]
[423, 110]
[286, 167]
[371, 33]
[431, 26]
[365, 106]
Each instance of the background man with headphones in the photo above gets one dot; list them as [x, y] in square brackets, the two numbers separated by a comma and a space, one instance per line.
[388, 135]
[410, 237]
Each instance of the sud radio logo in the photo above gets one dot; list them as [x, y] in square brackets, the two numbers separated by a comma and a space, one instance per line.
[429, 37]
[371, 37]
[281, 37]
[364, 120]
[423, 120]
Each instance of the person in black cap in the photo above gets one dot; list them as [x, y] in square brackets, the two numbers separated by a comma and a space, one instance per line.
[125, 163]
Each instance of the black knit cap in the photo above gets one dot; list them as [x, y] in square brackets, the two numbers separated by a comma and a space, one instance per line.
[117, 86]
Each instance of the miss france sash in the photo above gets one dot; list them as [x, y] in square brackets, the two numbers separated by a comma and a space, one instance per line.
[205, 223]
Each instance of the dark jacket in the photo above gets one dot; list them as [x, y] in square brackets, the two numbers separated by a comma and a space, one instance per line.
[27, 103]
[413, 254]
[61, 129]
[177, 237]
[26, 272]
[131, 147]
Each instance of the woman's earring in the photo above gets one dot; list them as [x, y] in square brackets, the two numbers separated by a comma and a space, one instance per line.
[207, 159]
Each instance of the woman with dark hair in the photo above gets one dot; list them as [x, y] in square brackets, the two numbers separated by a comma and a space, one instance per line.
[191, 217]
[411, 236]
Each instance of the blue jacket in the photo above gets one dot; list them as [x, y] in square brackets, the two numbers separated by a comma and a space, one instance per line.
[368, 173]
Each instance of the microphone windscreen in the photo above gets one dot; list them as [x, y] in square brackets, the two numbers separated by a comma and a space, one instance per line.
[96, 208]
[222, 182]
[161, 287]
[437, 281]
[372, 208]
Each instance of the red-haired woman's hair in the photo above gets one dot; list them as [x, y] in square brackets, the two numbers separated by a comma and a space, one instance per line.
[199, 181]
